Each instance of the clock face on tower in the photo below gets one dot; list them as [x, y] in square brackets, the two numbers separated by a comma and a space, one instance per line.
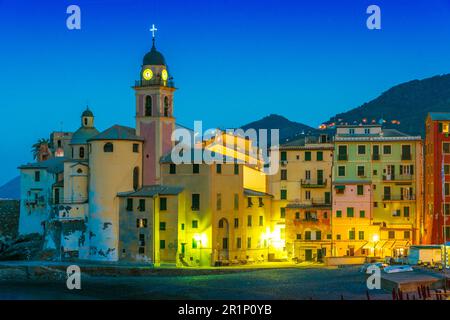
[164, 75]
[147, 74]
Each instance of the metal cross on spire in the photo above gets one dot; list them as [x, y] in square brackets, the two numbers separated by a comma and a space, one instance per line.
[153, 29]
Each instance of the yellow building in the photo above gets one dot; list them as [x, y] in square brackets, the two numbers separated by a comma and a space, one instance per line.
[378, 189]
[227, 211]
[302, 197]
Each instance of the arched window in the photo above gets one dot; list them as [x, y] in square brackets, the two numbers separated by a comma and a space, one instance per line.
[166, 106]
[108, 147]
[136, 178]
[148, 106]
[85, 121]
[81, 152]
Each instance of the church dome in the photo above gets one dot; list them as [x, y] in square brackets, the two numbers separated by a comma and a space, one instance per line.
[154, 57]
[87, 113]
[82, 135]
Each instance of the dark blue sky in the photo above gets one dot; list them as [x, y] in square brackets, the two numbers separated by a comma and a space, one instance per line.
[233, 61]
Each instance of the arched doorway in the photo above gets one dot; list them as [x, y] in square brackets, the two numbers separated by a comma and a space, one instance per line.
[223, 239]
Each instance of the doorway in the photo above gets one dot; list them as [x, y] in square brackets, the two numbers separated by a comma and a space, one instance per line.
[308, 255]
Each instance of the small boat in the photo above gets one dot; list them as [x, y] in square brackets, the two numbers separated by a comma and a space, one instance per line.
[397, 269]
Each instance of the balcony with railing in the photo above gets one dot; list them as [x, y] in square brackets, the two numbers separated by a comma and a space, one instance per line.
[308, 183]
[317, 202]
[400, 177]
[400, 197]
[157, 82]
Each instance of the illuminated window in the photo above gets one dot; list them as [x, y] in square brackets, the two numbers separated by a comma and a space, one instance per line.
[141, 223]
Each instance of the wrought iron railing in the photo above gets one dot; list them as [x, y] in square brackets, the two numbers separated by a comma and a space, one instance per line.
[154, 83]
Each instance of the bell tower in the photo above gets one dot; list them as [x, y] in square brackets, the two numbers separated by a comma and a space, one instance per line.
[154, 93]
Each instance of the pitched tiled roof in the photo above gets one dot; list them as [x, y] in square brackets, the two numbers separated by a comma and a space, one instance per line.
[151, 191]
[118, 132]
[53, 165]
